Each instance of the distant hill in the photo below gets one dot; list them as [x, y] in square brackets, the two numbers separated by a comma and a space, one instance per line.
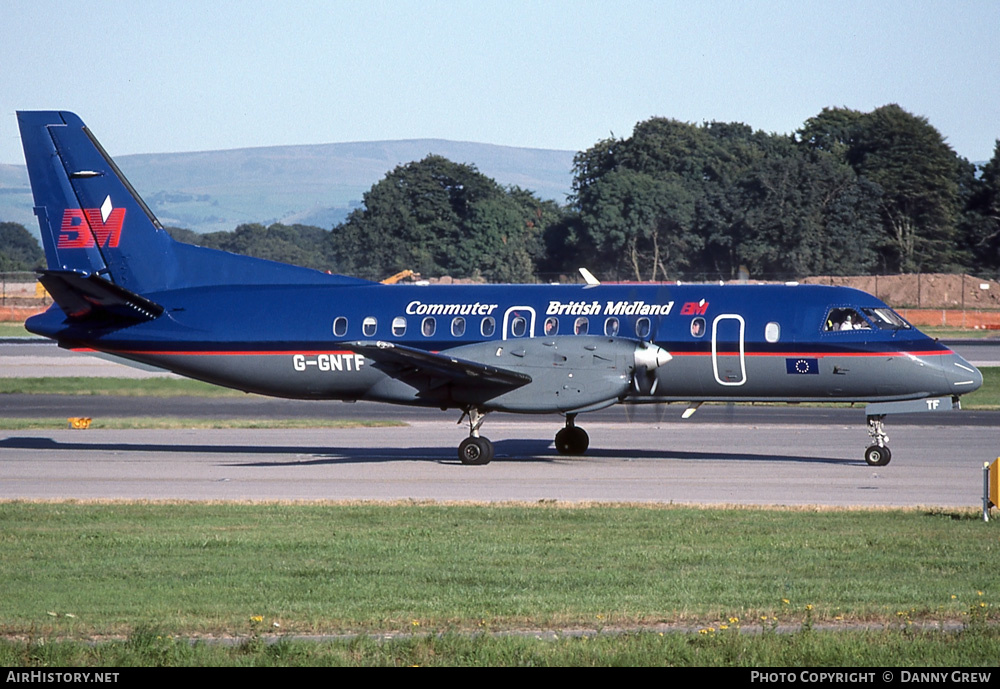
[313, 184]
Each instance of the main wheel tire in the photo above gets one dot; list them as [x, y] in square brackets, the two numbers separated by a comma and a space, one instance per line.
[877, 456]
[475, 451]
[572, 440]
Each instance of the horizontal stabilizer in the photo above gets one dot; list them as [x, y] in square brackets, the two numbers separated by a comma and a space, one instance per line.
[458, 371]
[90, 297]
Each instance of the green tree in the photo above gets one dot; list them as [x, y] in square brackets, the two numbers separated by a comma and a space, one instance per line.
[18, 249]
[184, 235]
[833, 131]
[981, 223]
[301, 245]
[639, 224]
[807, 214]
[438, 217]
[918, 174]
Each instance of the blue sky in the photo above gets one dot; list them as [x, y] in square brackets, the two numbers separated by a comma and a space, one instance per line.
[165, 75]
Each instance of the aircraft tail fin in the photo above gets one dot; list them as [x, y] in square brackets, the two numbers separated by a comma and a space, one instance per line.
[91, 219]
[93, 222]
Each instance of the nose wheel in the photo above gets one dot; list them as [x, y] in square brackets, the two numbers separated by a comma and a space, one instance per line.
[572, 440]
[475, 450]
[877, 455]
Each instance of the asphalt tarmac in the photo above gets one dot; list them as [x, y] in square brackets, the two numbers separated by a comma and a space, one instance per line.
[705, 463]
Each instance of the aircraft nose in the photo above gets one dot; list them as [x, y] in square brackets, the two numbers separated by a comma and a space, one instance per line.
[962, 376]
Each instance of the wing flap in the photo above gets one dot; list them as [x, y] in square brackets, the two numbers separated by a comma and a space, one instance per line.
[456, 371]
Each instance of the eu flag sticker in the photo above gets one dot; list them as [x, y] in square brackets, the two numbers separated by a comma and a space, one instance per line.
[802, 366]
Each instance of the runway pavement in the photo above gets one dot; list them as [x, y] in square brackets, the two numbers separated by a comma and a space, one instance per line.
[707, 463]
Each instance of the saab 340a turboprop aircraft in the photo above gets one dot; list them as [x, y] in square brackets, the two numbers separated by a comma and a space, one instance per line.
[124, 287]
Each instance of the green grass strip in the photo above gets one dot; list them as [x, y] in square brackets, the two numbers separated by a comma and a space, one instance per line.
[115, 387]
[73, 569]
[900, 647]
[988, 396]
[8, 329]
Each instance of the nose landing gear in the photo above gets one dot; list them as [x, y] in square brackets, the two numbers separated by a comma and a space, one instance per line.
[877, 455]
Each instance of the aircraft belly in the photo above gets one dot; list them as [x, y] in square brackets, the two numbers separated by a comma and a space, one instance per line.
[297, 376]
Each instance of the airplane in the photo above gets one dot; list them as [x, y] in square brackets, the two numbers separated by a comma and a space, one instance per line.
[122, 286]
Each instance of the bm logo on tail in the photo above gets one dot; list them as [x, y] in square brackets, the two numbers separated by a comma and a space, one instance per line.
[84, 228]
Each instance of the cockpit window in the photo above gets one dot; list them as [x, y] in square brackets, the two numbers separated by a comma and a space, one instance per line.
[886, 319]
[845, 319]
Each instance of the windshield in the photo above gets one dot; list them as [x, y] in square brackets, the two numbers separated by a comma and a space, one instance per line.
[886, 319]
[844, 318]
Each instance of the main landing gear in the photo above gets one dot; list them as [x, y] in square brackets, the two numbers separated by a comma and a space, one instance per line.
[475, 450]
[572, 440]
[877, 455]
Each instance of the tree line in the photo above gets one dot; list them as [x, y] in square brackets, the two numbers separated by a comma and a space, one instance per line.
[848, 193]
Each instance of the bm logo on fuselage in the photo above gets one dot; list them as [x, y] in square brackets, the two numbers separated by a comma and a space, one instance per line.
[85, 228]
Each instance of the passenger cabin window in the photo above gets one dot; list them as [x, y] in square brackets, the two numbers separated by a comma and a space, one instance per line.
[843, 318]
[772, 332]
[551, 326]
[488, 327]
[611, 327]
[642, 328]
[581, 326]
[457, 326]
[518, 326]
[369, 326]
[697, 327]
[429, 326]
[340, 326]
[886, 319]
[398, 326]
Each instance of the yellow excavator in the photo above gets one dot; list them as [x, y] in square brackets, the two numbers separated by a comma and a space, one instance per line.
[401, 275]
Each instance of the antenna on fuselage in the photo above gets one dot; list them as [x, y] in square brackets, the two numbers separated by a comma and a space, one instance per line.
[589, 278]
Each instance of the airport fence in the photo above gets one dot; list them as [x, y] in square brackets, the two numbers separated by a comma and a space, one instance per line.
[22, 288]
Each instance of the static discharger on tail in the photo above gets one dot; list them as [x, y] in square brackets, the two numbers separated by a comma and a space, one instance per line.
[124, 287]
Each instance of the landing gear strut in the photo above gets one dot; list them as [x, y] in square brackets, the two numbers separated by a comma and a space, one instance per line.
[475, 450]
[877, 455]
[572, 440]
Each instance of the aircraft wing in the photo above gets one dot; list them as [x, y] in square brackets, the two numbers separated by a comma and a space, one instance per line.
[412, 361]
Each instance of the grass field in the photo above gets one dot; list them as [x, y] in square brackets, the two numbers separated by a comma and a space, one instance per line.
[151, 573]
[8, 329]
[117, 387]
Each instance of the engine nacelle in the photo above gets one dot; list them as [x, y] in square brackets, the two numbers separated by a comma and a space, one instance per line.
[569, 373]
